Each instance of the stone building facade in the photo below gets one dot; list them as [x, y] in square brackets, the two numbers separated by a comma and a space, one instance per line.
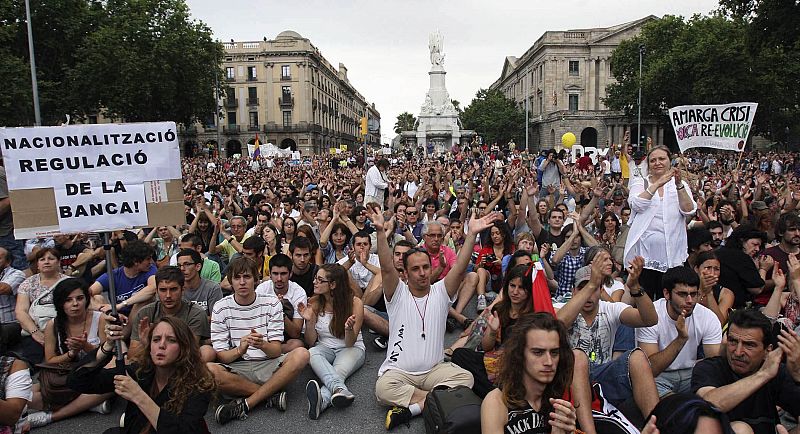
[564, 75]
[285, 91]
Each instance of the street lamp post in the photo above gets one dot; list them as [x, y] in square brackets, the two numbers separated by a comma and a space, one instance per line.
[34, 84]
[527, 110]
[216, 107]
[639, 121]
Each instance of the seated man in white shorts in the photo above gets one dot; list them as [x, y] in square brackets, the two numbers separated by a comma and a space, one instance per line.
[417, 315]
[247, 332]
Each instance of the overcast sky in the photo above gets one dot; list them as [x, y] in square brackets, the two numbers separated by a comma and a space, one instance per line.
[384, 44]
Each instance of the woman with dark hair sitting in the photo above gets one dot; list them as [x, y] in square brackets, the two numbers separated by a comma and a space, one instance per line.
[686, 413]
[516, 300]
[168, 387]
[72, 334]
[535, 372]
[333, 333]
[741, 269]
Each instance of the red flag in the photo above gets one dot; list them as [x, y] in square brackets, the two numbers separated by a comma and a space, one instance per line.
[541, 292]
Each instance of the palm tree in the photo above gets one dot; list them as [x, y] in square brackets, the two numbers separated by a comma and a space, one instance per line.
[405, 122]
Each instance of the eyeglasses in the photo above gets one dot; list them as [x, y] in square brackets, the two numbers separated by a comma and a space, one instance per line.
[186, 265]
[684, 294]
[411, 212]
[321, 280]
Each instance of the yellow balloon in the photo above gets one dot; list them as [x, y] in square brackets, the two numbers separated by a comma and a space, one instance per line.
[568, 139]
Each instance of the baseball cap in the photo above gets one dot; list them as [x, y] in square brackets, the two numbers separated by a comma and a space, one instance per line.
[758, 205]
[583, 275]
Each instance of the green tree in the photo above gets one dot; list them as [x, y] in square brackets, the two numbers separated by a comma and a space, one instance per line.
[457, 106]
[495, 117]
[774, 43]
[148, 61]
[405, 122]
[702, 60]
[59, 28]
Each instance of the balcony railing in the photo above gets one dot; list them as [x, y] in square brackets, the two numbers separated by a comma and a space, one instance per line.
[251, 78]
[286, 77]
[230, 78]
[252, 101]
[230, 129]
[252, 128]
[231, 102]
[286, 101]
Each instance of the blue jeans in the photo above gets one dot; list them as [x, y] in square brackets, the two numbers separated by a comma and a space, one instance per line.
[333, 366]
[615, 378]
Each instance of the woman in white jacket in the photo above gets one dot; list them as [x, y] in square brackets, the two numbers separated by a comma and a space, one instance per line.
[660, 204]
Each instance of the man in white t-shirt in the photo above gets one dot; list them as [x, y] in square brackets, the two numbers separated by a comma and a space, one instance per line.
[290, 294]
[683, 325]
[417, 314]
[592, 324]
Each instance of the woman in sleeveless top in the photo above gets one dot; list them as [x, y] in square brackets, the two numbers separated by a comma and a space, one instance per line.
[333, 321]
[535, 372]
[72, 334]
[35, 302]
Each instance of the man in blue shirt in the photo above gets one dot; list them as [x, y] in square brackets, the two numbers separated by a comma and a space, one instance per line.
[134, 281]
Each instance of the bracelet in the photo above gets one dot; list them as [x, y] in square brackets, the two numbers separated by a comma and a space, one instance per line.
[34, 331]
[681, 187]
[103, 350]
[649, 192]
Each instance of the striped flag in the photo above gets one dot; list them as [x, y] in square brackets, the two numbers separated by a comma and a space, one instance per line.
[257, 148]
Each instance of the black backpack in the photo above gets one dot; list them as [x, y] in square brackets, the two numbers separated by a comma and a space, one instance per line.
[452, 410]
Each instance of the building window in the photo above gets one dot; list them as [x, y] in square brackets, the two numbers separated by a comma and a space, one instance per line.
[286, 92]
[574, 68]
[251, 73]
[230, 73]
[573, 102]
[287, 118]
[231, 118]
[541, 72]
[252, 96]
[253, 120]
[286, 72]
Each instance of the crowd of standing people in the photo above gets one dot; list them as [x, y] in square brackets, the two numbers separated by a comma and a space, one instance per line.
[654, 283]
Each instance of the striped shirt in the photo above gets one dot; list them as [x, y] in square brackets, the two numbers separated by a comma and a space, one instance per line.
[230, 321]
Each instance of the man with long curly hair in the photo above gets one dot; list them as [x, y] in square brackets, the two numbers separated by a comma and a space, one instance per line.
[529, 399]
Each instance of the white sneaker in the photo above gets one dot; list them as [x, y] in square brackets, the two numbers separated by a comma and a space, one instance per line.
[481, 302]
[40, 418]
[102, 408]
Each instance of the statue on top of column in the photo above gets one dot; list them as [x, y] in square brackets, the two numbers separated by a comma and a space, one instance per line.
[436, 45]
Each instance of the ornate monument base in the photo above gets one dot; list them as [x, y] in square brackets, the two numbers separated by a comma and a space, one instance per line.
[438, 125]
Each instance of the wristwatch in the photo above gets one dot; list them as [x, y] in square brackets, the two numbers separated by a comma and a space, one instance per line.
[637, 294]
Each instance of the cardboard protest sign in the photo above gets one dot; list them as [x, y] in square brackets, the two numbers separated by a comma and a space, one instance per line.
[81, 178]
[724, 126]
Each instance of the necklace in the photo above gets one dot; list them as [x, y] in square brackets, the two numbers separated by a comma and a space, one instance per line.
[422, 313]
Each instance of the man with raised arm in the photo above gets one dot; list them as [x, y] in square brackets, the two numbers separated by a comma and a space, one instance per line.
[417, 316]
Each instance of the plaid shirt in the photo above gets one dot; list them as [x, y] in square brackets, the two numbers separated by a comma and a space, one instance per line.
[12, 277]
[565, 271]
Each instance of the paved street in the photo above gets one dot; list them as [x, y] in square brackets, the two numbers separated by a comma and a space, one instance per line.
[364, 416]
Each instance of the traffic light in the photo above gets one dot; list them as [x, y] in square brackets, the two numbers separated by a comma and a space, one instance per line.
[364, 126]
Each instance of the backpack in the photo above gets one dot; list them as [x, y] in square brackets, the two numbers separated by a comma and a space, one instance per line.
[452, 410]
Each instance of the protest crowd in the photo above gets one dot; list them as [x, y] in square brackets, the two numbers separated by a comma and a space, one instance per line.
[639, 290]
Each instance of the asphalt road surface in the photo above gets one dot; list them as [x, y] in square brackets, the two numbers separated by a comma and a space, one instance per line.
[366, 415]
